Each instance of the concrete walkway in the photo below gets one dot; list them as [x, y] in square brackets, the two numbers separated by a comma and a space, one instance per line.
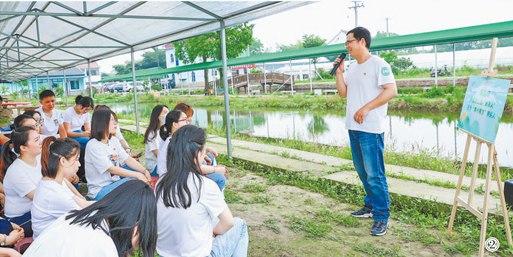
[333, 168]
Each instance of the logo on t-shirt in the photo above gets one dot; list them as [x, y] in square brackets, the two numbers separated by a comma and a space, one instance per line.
[385, 71]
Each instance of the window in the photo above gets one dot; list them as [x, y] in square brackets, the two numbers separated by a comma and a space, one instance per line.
[193, 76]
[94, 72]
[172, 57]
[74, 84]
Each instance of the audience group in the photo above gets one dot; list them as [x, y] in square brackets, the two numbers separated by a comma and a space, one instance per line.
[49, 153]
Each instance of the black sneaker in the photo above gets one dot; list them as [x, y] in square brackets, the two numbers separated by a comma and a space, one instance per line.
[379, 228]
[364, 212]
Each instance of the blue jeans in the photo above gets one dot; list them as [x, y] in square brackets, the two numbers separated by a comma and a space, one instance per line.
[367, 150]
[81, 140]
[107, 189]
[219, 178]
[232, 243]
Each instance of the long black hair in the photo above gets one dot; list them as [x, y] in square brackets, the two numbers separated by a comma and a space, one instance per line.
[182, 162]
[53, 150]
[172, 117]
[100, 124]
[19, 137]
[19, 120]
[131, 204]
[154, 123]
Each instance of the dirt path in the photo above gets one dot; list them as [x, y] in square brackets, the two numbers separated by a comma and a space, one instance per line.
[289, 221]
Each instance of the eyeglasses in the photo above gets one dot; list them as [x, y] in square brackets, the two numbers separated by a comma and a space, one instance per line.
[186, 119]
[349, 41]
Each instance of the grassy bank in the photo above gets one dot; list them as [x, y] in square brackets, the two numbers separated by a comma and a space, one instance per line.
[446, 99]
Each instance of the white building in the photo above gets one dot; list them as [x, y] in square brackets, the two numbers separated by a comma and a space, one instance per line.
[192, 78]
[96, 76]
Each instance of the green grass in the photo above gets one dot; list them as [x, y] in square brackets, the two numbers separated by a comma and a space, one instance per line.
[254, 188]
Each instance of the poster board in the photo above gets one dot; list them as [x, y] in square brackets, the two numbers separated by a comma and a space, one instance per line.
[483, 106]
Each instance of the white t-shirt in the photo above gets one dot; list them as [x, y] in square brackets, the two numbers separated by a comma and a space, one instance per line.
[99, 157]
[364, 83]
[188, 232]
[152, 144]
[162, 157]
[21, 179]
[75, 121]
[51, 124]
[51, 201]
[63, 239]
[119, 135]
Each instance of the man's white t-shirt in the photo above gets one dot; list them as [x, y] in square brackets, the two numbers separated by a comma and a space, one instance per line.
[151, 144]
[364, 83]
[51, 201]
[51, 123]
[21, 178]
[162, 157]
[188, 232]
[63, 239]
[99, 157]
[76, 121]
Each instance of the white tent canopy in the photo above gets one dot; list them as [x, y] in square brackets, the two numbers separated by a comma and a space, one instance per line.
[41, 36]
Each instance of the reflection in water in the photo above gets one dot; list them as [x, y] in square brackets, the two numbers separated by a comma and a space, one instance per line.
[406, 132]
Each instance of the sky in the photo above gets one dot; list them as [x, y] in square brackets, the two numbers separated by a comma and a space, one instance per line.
[327, 18]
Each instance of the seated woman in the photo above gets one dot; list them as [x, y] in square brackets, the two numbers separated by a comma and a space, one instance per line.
[211, 153]
[151, 140]
[116, 225]
[38, 122]
[21, 175]
[104, 156]
[55, 195]
[52, 123]
[118, 133]
[76, 117]
[174, 121]
[188, 204]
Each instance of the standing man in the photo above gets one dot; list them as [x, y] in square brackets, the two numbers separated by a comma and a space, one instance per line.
[368, 85]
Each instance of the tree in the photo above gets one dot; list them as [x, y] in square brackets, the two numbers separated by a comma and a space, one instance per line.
[398, 64]
[257, 47]
[152, 59]
[206, 46]
[313, 41]
[121, 69]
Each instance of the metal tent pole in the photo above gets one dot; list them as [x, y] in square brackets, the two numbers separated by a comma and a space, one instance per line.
[310, 73]
[89, 77]
[436, 68]
[453, 64]
[226, 95]
[65, 86]
[135, 92]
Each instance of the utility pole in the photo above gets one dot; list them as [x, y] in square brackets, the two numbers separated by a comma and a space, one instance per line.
[388, 34]
[357, 4]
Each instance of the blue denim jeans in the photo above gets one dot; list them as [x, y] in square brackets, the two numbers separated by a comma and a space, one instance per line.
[367, 150]
[107, 189]
[81, 140]
[24, 221]
[232, 243]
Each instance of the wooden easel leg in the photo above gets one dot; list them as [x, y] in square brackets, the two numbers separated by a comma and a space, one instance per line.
[474, 173]
[484, 219]
[503, 200]
[458, 187]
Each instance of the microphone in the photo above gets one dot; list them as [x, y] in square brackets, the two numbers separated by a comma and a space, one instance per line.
[342, 57]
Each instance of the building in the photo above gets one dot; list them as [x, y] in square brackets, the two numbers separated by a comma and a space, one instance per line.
[190, 78]
[74, 77]
[96, 76]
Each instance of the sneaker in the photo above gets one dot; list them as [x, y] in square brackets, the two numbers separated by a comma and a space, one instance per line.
[379, 228]
[364, 212]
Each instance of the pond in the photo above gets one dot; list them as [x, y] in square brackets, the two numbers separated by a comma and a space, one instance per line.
[405, 131]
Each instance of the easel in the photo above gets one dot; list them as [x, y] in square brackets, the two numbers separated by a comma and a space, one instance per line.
[492, 160]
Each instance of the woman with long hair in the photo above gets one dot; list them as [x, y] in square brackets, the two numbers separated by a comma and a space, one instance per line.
[104, 157]
[122, 221]
[55, 195]
[76, 117]
[174, 121]
[151, 140]
[21, 175]
[118, 133]
[188, 204]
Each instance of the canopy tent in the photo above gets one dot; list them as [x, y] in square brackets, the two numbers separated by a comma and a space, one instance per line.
[479, 32]
[41, 36]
